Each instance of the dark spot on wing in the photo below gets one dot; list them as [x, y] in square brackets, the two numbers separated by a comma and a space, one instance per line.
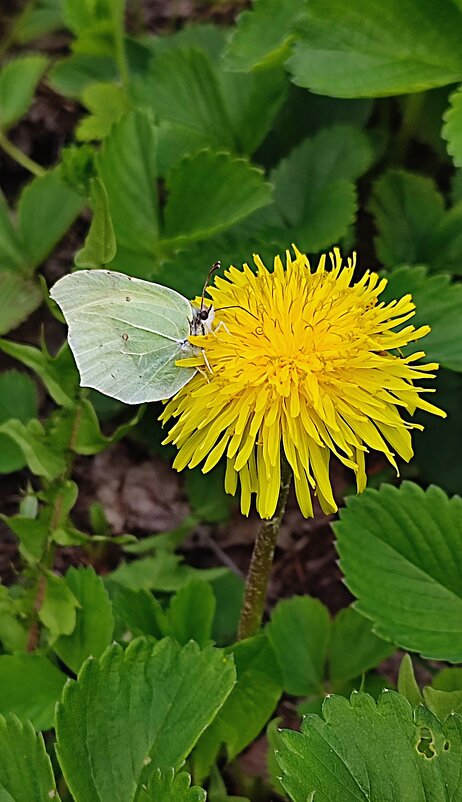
[128, 298]
[125, 337]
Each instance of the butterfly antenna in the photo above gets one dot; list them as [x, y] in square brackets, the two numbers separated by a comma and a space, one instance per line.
[220, 308]
[215, 266]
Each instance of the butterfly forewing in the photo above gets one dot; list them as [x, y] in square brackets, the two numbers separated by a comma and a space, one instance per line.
[126, 334]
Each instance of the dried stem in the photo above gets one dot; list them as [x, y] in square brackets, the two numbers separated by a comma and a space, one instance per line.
[262, 562]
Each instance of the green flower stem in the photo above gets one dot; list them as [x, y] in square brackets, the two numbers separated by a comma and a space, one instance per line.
[20, 157]
[256, 585]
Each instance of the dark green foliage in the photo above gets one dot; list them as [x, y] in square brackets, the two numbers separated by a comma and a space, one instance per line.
[313, 122]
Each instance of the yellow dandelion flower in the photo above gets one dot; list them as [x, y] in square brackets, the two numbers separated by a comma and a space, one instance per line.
[303, 360]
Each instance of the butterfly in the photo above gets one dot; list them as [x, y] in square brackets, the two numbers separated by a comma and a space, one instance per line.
[127, 334]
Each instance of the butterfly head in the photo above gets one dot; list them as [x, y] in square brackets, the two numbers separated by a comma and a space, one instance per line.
[202, 320]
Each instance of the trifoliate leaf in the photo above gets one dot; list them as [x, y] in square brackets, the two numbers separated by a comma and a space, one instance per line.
[140, 709]
[370, 49]
[363, 751]
[400, 551]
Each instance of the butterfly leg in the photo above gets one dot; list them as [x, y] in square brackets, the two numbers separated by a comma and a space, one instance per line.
[204, 356]
[220, 325]
[204, 374]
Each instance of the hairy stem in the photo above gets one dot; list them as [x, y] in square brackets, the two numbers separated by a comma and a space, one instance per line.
[256, 586]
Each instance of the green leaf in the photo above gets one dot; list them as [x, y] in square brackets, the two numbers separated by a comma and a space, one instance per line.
[229, 595]
[448, 679]
[191, 612]
[202, 105]
[183, 89]
[299, 632]
[442, 703]
[209, 192]
[100, 247]
[400, 551]
[452, 128]
[165, 787]
[163, 572]
[437, 453]
[38, 20]
[31, 533]
[413, 226]
[58, 373]
[13, 634]
[11, 257]
[146, 706]
[263, 34]
[18, 299]
[136, 612]
[107, 103]
[438, 304]
[26, 774]
[370, 49]
[31, 440]
[372, 752]
[247, 708]
[71, 75]
[349, 627]
[58, 610]
[87, 437]
[314, 190]
[217, 790]
[18, 82]
[207, 496]
[30, 686]
[407, 683]
[275, 742]
[18, 399]
[128, 169]
[46, 209]
[94, 623]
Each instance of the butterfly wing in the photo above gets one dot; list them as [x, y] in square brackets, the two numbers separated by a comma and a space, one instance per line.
[126, 334]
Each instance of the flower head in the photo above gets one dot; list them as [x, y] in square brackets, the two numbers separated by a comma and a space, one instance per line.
[305, 361]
